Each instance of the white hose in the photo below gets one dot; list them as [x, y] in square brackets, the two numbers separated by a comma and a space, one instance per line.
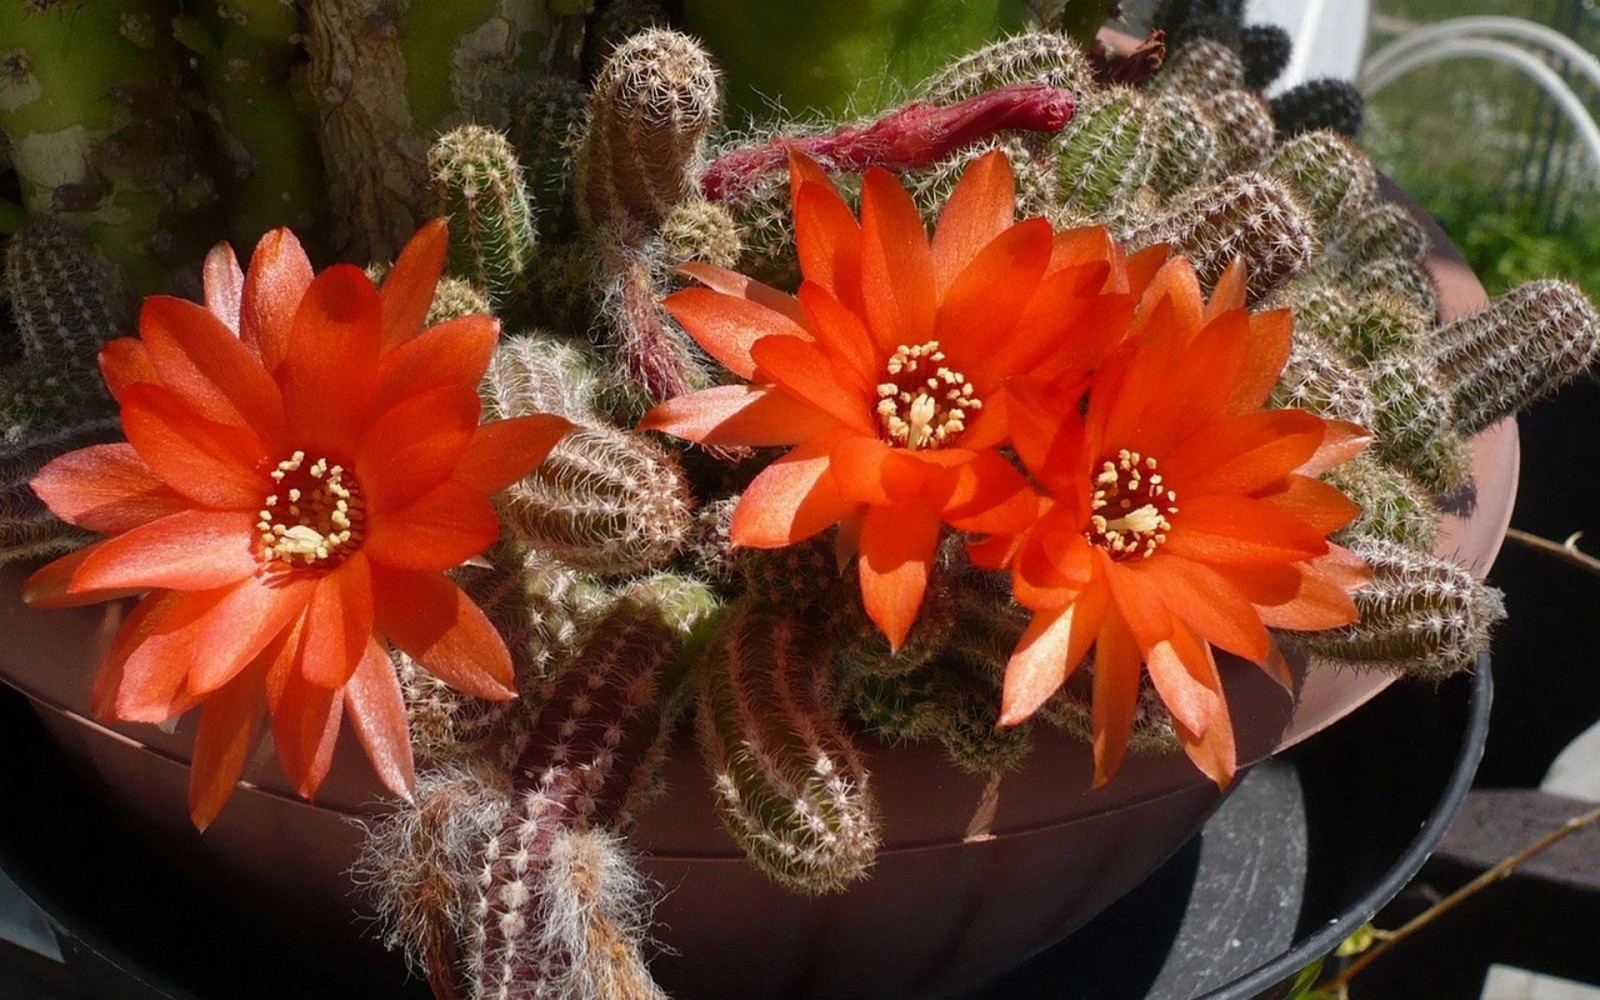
[1582, 60]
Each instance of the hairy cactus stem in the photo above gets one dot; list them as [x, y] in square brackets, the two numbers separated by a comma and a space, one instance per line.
[918, 135]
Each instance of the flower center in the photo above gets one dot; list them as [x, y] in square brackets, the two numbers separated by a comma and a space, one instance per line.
[923, 404]
[315, 516]
[1129, 508]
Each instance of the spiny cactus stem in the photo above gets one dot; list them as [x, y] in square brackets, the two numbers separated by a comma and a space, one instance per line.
[653, 358]
[438, 950]
[917, 135]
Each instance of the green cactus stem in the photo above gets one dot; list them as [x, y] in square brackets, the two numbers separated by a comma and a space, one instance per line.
[248, 59]
[1380, 230]
[537, 373]
[64, 296]
[1421, 615]
[654, 100]
[1249, 217]
[1318, 378]
[1526, 344]
[896, 708]
[420, 864]
[1037, 181]
[1200, 68]
[1186, 146]
[1411, 416]
[1106, 154]
[1242, 123]
[1394, 507]
[702, 231]
[790, 785]
[547, 126]
[605, 501]
[454, 298]
[1045, 58]
[100, 130]
[27, 528]
[965, 720]
[1333, 178]
[478, 184]
[1071, 710]
[651, 350]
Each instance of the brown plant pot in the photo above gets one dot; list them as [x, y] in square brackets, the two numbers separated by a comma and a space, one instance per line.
[970, 880]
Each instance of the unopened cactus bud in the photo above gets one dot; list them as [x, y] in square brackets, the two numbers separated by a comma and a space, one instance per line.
[64, 298]
[703, 231]
[1247, 217]
[790, 784]
[654, 100]
[478, 183]
[1526, 344]
[1242, 124]
[1380, 230]
[1321, 380]
[1039, 57]
[606, 501]
[1394, 507]
[1421, 615]
[1411, 416]
[1264, 49]
[1318, 104]
[1333, 178]
[1198, 68]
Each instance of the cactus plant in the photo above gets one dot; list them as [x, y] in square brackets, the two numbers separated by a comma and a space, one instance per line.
[478, 185]
[1319, 104]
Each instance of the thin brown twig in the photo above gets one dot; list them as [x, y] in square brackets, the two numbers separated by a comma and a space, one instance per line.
[1501, 870]
[1567, 550]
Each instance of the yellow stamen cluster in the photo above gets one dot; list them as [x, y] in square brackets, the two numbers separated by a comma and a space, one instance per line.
[923, 404]
[315, 517]
[1129, 507]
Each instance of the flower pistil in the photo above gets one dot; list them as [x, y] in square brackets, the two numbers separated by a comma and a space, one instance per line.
[316, 514]
[924, 404]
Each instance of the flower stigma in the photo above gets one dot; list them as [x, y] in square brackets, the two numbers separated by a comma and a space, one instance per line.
[1129, 507]
[923, 404]
[315, 516]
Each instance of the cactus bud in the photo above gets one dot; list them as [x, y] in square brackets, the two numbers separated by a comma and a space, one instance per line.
[701, 230]
[791, 787]
[1525, 345]
[478, 183]
[454, 298]
[1421, 615]
[654, 100]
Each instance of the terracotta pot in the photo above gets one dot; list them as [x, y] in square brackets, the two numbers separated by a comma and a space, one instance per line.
[970, 880]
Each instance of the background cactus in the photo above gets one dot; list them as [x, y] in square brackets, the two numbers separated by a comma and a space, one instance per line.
[478, 186]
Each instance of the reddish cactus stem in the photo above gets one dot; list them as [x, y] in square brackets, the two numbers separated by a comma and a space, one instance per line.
[914, 136]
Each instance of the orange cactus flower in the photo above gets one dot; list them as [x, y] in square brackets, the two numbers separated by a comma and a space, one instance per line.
[1180, 516]
[303, 461]
[893, 371]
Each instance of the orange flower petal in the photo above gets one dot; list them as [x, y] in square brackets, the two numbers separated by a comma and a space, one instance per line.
[1051, 648]
[439, 530]
[1083, 245]
[377, 710]
[981, 207]
[1067, 328]
[988, 298]
[990, 497]
[1320, 603]
[800, 368]
[1137, 272]
[244, 622]
[1226, 529]
[412, 447]
[305, 717]
[146, 619]
[827, 241]
[1229, 293]
[504, 451]
[441, 628]
[1174, 287]
[791, 500]
[1117, 668]
[1205, 599]
[897, 285]
[720, 279]
[1242, 454]
[203, 362]
[1182, 685]
[844, 338]
[867, 470]
[329, 368]
[1211, 745]
[224, 285]
[1267, 351]
[216, 465]
[1137, 604]
[50, 585]
[278, 277]
[189, 550]
[1316, 503]
[726, 325]
[152, 661]
[407, 289]
[897, 549]
[338, 624]
[455, 353]
[1341, 442]
[229, 727]
[738, 415]
[105, 488]
[124, 362]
